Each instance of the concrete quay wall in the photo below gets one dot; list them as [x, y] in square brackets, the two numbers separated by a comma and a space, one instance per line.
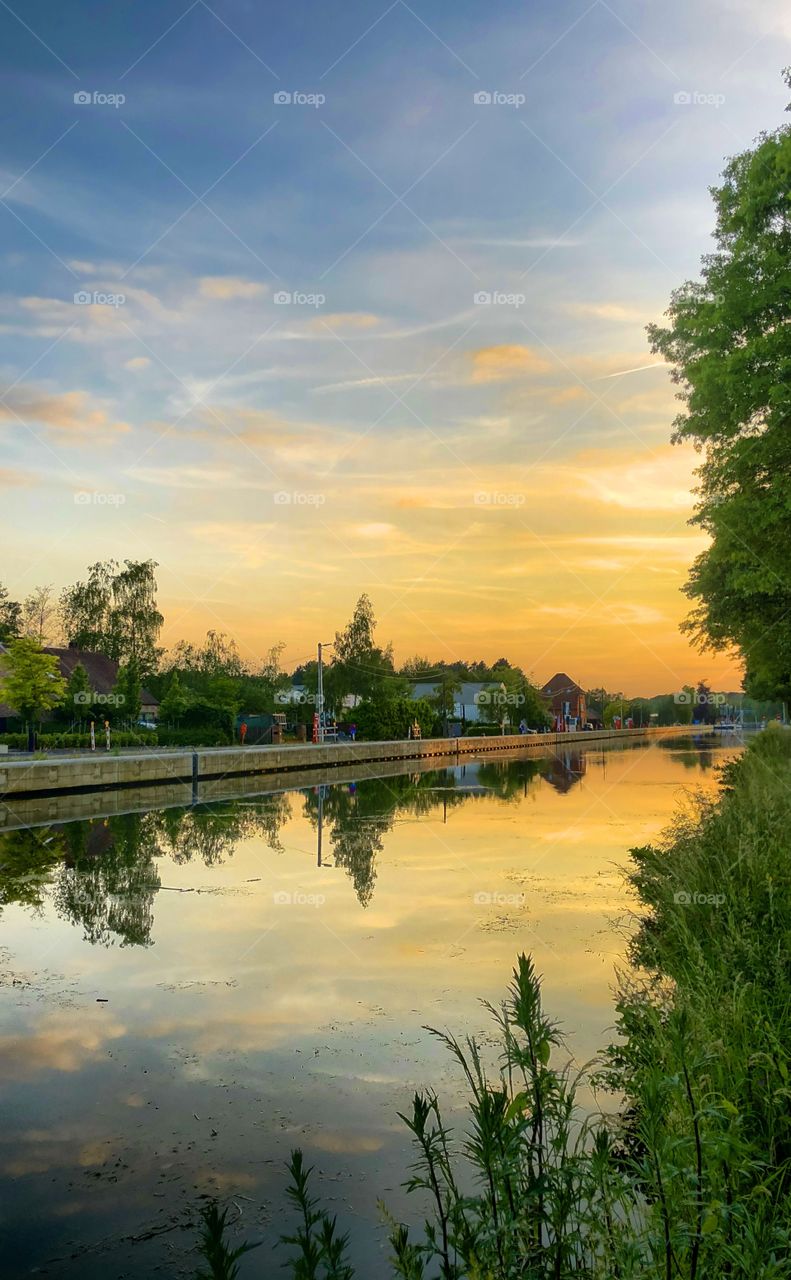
[155, 768]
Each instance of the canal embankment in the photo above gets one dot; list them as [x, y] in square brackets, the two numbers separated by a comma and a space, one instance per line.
[65, 788]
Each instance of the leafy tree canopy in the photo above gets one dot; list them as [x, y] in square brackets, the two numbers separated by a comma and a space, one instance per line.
[729, 342]
[31, 683]
[115, 612]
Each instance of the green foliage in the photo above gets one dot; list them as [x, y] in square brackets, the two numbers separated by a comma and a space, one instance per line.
[221, 1258]
[213, 684]
[321, 1252]
[115, 612]
[162, 736]
[75, 740]
[78, 703]
[128, 693]
[389, 718]
[358, 666]
[717, 923]
[175, 701]
[199, 736]
[614, 709]
[31, 683]
[729, 341]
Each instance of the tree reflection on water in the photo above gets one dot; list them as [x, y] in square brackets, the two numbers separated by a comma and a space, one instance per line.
[103, 875]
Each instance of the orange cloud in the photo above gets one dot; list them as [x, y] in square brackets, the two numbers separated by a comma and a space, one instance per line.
[226, 288]
[71, 412]
[498, 364]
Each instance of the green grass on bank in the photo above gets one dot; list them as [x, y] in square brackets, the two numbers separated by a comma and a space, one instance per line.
[691, 1179]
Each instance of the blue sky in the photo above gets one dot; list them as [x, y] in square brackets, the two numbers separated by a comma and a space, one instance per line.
[382, 399]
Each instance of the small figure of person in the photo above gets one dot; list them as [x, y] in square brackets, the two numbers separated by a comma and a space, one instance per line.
[353, 732]
[523, 726]
[243, 731]
[415, 729]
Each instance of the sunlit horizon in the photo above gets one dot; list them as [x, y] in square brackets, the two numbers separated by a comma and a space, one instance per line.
[315, 304]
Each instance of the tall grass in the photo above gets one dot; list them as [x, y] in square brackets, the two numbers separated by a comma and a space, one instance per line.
[692, 1178]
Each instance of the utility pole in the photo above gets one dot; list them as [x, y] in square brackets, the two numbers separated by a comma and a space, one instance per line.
[320, 690]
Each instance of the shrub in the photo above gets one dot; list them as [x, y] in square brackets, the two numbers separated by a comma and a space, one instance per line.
[388, 719]
[202, 736]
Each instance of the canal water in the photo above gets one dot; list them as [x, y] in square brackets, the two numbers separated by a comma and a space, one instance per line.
[187, 994]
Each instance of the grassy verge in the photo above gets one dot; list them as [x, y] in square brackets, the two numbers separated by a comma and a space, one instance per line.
[692, 1179]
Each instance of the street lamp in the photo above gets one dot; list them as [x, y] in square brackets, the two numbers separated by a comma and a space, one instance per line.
[320, 690]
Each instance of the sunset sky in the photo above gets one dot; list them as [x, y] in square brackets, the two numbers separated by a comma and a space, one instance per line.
[286, 384]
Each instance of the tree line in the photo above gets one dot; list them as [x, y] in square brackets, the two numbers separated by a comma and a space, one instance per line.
[203, 687]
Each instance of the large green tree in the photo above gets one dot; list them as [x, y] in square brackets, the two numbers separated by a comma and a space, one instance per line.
[31, 683]
[115, 612]
[729, 342]
[359, 665]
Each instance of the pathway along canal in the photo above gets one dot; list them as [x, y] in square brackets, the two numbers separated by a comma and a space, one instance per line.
[187, 994]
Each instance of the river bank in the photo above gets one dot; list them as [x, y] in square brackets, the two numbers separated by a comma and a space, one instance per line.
[105, 771]
[692, 1177]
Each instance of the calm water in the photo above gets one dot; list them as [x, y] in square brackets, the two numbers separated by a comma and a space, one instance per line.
[187, 994]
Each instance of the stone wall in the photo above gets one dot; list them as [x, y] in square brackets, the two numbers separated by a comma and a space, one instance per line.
[98, 772]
